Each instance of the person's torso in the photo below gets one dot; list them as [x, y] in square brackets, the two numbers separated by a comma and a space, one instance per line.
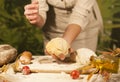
[62, 3]
[58, 17]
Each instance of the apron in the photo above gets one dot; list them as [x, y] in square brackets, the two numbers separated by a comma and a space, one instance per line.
[60, 14]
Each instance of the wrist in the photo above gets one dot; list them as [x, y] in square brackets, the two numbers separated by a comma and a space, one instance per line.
[40, 21]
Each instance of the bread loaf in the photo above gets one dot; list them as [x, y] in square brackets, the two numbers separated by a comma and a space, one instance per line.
[7, 54]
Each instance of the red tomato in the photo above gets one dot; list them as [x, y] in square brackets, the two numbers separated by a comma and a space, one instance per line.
[75, 74]
[25, 70]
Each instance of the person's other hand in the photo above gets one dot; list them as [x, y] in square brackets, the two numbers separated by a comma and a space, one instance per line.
[32, 12]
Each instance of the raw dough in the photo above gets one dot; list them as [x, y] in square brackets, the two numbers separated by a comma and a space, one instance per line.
[57, 46]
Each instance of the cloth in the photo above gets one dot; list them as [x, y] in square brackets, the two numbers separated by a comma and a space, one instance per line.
[99, 78]
[61, 13]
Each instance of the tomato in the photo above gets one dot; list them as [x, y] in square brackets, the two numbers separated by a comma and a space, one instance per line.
[25, 70]
[75, 74]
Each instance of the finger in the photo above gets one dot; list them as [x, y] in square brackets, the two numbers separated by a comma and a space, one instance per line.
[32, 17]
[70, 50]
[31, 6]
[61, 56]
[54, 56]
[31, 12]
[33, 21]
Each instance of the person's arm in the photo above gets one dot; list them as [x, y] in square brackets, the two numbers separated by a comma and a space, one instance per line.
[71, 32]
[79, 19]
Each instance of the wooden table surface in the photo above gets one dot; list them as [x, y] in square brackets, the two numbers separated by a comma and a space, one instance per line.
[55, 77]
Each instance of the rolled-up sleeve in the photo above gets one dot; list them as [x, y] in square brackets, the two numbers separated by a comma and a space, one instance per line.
[43, 8]
[80, 13]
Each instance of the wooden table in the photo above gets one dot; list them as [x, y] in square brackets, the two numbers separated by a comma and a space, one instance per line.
[54, 77]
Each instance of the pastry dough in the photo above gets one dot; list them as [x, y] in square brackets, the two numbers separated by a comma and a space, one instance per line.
[57, 46]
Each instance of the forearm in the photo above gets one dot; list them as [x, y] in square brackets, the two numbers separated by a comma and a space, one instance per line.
[71, 32]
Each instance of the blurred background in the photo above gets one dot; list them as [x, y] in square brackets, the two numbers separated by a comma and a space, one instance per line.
[18, 32]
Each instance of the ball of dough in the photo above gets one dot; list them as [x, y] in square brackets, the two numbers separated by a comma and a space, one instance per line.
[57, 46]
[83, 56]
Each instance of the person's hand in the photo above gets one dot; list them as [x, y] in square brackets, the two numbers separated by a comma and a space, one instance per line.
[61, 56]
[58, 48]
[32, 12]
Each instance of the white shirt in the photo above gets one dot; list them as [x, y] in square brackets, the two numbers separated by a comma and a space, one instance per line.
[82, 12]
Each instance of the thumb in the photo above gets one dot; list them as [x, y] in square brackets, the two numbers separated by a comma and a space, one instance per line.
[61, 56]
[70, 50]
